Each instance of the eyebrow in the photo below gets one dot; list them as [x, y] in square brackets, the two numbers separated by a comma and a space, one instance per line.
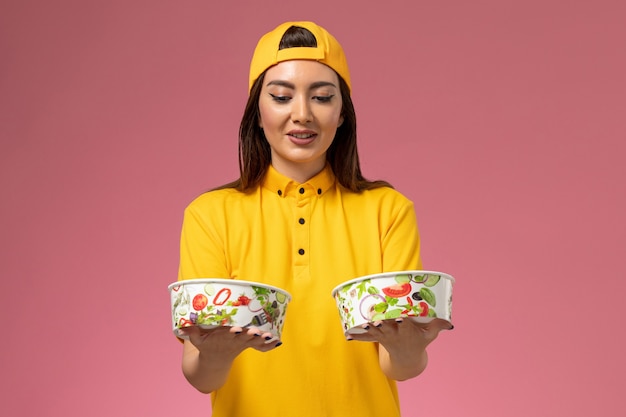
[313, 86]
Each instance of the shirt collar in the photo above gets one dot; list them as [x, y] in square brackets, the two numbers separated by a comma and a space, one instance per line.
[283, 186]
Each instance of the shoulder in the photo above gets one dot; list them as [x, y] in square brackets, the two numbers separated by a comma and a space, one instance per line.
[387, 193]
[380, 196]
[215, 197]
[216, 200]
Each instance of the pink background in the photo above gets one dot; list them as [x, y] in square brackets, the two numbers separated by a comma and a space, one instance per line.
[504, 121]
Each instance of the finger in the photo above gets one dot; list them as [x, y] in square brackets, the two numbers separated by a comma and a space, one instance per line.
[441, 324]
[196, 335]
[269, 338]
[236, 330]
[367, 336]
[374, 330]
[189, 332]
[362, 337]
[266, 347]
[253, 331]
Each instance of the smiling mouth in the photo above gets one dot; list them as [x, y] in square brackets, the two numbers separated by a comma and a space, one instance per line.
[302, 135]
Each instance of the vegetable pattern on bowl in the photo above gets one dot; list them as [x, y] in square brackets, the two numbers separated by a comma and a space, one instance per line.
[222, 305]
[392, 296]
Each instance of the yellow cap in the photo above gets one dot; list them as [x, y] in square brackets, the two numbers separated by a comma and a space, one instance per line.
[328, 51]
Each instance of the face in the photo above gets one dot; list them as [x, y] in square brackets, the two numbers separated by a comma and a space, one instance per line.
[300, 111]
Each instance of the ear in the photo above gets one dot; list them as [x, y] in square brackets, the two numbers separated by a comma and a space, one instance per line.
[340, 120]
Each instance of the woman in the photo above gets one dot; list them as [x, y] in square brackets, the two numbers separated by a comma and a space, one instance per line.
[303, 218]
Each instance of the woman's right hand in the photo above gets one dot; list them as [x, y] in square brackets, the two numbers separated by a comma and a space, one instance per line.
[209, 353]
[229, 340]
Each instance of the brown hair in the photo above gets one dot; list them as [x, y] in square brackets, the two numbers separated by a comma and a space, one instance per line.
[254, 150]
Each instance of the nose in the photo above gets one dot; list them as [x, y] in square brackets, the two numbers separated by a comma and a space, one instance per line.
[301, 110]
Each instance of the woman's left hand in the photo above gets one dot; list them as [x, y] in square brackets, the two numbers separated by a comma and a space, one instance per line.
[402, 333]
[403, 344]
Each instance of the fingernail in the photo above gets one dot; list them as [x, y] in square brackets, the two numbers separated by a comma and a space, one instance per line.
[366, 327]
[399, 320]
[268, 337]
[257, 334]
[279, 343]
[238, 332]
[349, 339]
[379, 324]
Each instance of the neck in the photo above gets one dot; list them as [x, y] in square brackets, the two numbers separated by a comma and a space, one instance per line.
[299, 172]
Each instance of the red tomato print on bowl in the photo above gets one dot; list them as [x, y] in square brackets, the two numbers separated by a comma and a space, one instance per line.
[424, 308]
[242, 300]
[397, 290]
[199, 302]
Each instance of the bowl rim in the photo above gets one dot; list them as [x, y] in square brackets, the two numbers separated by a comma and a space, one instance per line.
[385, 274]
[227, 281]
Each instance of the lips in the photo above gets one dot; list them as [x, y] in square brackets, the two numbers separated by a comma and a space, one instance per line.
[301, 137]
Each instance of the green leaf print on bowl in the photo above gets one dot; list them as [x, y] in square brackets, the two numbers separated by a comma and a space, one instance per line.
[421, 295]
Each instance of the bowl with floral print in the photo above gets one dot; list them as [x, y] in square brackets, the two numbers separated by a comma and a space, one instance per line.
[420, 295]
[210, 303]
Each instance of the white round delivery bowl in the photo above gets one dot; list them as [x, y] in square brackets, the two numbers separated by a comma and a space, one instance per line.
[421, 295]
[213, 302]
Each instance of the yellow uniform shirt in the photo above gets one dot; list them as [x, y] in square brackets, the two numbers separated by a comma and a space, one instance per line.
[307, 239]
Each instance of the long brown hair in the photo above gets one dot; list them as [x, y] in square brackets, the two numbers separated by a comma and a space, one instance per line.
[254, 151]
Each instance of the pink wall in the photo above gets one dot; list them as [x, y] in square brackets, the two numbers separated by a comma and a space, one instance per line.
[504, 121]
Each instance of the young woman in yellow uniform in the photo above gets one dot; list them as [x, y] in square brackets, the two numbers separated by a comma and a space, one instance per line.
[303, 218]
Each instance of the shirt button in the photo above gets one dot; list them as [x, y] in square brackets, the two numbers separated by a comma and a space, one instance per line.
[301, 220]
[301, 190]
[301, 251]
[319, 191]
[280, 192]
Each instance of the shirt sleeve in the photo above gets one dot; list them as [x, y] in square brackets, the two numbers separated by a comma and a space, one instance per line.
[401, 242]
[202, 253]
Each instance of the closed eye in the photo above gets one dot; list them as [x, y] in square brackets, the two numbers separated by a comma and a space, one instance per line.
[324, 99]
[280, 99]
